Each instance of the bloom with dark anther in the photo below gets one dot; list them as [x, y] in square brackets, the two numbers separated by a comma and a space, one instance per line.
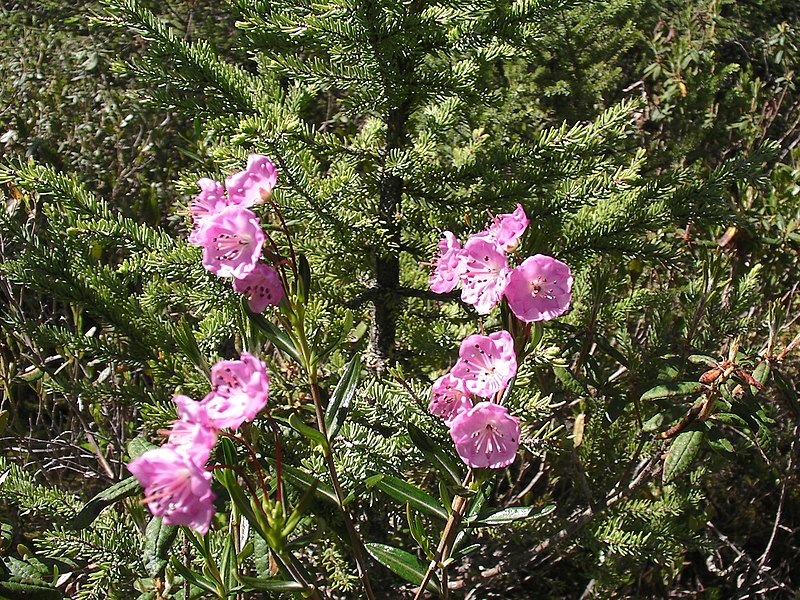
[192, 433]
[484, 274]
[449, 397]
[487, 363]
[486, 436]
[175, 487]
[448, 266]
[539, 289]
[232, 241]
[209, 201]
[262, 287]
[240, 389]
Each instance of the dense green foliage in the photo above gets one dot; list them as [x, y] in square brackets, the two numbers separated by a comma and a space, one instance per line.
[636, 134]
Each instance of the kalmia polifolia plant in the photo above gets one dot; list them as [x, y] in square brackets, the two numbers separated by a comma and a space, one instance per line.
[471, 397]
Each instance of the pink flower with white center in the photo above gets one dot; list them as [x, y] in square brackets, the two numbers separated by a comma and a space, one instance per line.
[484, 275]
[240, 391]
[487, 363]
[192, 434]
[231, 240]
[486, 436]
[505, 230]
[262, 287]
[448, 397]
[209, 201]
[539, 289]
[449, 266]
[254, 184]
[175, 487]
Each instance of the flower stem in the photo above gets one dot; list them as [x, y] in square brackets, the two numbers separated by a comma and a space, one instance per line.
[448, 537]
[355, 540]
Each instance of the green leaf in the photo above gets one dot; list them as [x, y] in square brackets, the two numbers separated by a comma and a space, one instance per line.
[124, 489]
[304, 279]
[278, 338]
[157, 545]
[403, 564]
[269, 585]
[304, 480]
[509, 515]
[673, 389]
[337, 410]
[405, 492]
[201, 581]
[702, 359]
[681, 454]
[760, 374]
[138, 446]
[11, 590]
[435, 454]
[296, 423]
[654, 423]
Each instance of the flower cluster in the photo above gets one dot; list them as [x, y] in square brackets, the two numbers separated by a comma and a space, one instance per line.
[484, 433]
[177, 485]
[539, 289]
[230, 233]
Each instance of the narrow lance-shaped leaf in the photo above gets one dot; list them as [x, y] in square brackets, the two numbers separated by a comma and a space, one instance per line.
[270, 585]
[435, 454]
[296, 423]
[405, 492]
[157, 545]
[674, 389]
[402, 564]
[337, 410]
[681, 454]
[278, 338]
[123, 489]
[509, 515]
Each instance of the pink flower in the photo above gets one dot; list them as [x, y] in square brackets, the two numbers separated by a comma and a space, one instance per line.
[209, 201]
[539, 289]
[192, 434]
[448, 267]
[448, 397]
[262, 287]
[484, 276]
[231, 240]
[254, 184]
[240, 391]
[486, 436]
[487, 363]
[505, 230]
[175, 487]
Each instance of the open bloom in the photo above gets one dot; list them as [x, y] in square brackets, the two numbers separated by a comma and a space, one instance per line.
[175, 487]
[254, 184]
[448, 397]
[192, 434]
[240, 391]
[262, 287]
[231, 240]
[209, 201]
[539, 289]
[484, 274]
[487, 363]
[486, 436]
[449, 266]
[505, 230]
